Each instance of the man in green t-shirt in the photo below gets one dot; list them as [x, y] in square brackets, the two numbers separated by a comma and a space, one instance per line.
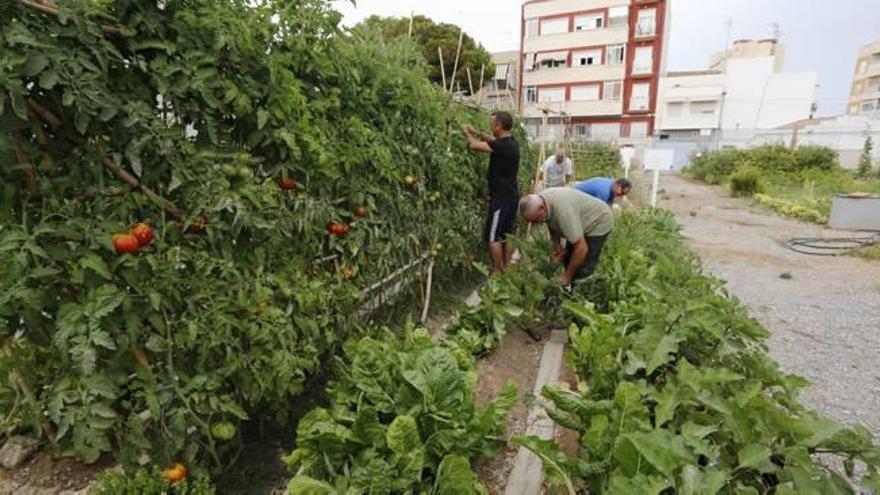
[582, 220]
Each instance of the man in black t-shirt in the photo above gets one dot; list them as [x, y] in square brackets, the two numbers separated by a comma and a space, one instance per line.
[503, 190]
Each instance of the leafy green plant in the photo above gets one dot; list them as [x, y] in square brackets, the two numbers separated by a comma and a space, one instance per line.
[401, 419]
[239, 131]
[596, 159]
[746, 182]
[676, 389]
[148, 482]
[802, 211]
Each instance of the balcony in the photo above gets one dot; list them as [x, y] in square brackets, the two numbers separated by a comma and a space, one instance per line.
[565, 75]
[639, 103]
[645, 29]
[595, 108]
[575, 39]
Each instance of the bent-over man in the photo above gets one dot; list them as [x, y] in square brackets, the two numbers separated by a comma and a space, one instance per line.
[582, 220]
[557, 171]
[605, 189]
[503, 189]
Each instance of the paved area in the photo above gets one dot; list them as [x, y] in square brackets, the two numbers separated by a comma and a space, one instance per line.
[824, 319]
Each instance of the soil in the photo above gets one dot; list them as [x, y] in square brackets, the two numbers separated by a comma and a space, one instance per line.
[823, 313]
[43, 475]
[515, 359]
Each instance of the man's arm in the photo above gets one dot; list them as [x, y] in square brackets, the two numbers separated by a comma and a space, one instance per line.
[473, 143]
[557, 244]
[578, 259]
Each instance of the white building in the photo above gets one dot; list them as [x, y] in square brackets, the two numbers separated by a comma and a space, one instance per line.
[745, 89]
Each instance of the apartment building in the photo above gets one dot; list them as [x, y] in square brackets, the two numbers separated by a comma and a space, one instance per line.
[745, 88]
[864, 98]
[593, 66]
[502, 88]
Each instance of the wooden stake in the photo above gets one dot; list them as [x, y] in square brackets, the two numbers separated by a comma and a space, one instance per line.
[409, 34]
[482, 73]
[442, 69]
[22, 383]
[457, 54]
[470, 81]
[134, 183]
[428, 291]
[47, 8]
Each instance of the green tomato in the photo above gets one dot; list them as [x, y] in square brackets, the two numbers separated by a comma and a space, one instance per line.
[229, 171]
[223, 430]
[245, 172]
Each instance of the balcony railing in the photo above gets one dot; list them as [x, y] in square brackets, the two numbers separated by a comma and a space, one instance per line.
[638, 103]
[645, 29]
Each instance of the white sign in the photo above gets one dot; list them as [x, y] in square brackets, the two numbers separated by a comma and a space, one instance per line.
[659, 159]
[626, 154]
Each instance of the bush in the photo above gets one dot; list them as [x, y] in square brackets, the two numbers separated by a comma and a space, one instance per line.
[149, 482]
[596, 159]
[775, 159]
[816, 158]
[746, 182]
[714, 167]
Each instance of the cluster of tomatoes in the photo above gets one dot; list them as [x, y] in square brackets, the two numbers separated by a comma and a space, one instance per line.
[139, 236]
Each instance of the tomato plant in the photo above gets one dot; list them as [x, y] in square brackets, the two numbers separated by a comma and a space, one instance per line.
[183, 115]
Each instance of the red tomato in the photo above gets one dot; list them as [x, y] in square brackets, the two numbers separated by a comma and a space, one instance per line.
[174, 473]
[287, 183]
[360, 212]
[143, 232]
[125, 243]
[336, 228]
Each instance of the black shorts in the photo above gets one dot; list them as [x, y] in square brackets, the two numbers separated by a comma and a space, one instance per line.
[594, 249]
[501, 220]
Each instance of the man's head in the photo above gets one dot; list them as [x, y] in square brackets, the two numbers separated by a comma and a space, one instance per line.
[502, 123]
[533, 208]
[622, 187]
[560, 156]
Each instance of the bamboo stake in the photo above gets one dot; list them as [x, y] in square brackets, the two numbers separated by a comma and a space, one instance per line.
[482, 73]
[134, 183]
[43, 113]
[442, 69]
[428, 291]
[457, 54]
[470, 81]
[409, 35]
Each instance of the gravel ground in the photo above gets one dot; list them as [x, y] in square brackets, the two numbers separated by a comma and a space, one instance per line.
[824, 320]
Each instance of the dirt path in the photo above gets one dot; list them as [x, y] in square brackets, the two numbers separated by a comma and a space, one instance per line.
[824, 320]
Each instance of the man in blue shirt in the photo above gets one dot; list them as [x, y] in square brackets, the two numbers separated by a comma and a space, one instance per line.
[605, 189]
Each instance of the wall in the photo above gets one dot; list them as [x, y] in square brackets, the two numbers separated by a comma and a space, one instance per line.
[789, 97]
[686, 89]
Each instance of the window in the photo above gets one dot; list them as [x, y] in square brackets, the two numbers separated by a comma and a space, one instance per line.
[615, 54]
[605, 130]
[618, 16]
[529, 63]
[644, 60]
[857, 88]
[640, 99]
[613, 90]
[869, 106]
[554, 26]
[531, 95]
[581, 131]
[638, 129]
[703, 107]
[551, 60]
[587, 92]
[674, 109]
[531, 28]
[645, 26]
[586, 57]
[586, 22]
[551, 95]
[863, 67]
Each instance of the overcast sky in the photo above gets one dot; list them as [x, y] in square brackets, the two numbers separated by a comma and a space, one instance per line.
[820, 35]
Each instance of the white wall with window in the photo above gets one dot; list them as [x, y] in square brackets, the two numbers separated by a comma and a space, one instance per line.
[586, 57]
[704, 107]
[643, 61]
[555, 25]
[585, 92]
[618, 16]
[613, 90]
[531, 28]
[646, 25]
[529, 62]
[551, 95]
[587, 22]
[615, 54]
[605, 130]
[640, 98]
[675, 109]
[638, 129]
